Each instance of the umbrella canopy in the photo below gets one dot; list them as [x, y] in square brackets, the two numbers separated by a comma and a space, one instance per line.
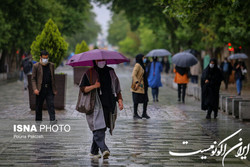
[86, 58]
[238, 56]
[192, 51]
[184, 59]
[158, 52]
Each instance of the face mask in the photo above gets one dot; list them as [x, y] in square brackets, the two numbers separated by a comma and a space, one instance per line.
[101, 64]
[45, 61]
[211, 65]
[144, 60]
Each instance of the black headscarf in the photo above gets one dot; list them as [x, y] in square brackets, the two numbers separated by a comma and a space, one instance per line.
[215, 69]
[139, 60]
[181, 70]
[105, 82]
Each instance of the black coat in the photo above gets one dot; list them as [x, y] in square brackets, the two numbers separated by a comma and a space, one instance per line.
[210, 90]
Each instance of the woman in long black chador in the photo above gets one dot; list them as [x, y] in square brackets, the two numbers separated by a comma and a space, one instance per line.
[210, 84]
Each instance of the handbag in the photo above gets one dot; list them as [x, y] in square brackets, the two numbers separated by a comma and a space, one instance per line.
[86, 101]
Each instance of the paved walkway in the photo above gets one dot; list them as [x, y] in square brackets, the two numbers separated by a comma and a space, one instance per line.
[134, 143]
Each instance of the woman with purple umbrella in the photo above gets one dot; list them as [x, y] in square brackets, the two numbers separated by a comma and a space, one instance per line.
[109, 92]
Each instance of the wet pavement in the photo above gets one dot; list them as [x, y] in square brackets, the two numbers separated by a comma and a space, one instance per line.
[173, 127]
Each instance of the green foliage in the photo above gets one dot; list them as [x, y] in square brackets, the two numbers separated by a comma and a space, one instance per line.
[82, 47]
[130, 45]
[118, 28]
[51, 40]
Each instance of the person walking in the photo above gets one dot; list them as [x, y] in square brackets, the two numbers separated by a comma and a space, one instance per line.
[154, 78]
[109, 92]
[210, 85]
[226, 68]
[167, 68]
[195, 71]
[43, 84]
[139, 87]
[26, 68]
[240, 71]
[181, 78]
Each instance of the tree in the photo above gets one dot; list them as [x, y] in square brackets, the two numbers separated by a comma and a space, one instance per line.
[82, 47]
[118, 28]
[51, 40]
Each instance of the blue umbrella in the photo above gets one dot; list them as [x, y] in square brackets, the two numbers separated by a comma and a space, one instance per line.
[184, 59]
[238, 56]
[159, 53]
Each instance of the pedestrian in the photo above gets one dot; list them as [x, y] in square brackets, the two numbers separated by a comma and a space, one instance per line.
[210, 85]
[139, 87]
[226, 69]
[43, 84]
[195, 71]
[181, 78]
[154, 78]
[240, 71]
[26, 68]
[109, 92]
[167, 68]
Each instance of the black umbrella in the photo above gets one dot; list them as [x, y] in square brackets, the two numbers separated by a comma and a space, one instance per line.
[184, 59]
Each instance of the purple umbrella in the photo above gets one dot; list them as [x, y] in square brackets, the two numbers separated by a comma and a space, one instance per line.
[86, 58]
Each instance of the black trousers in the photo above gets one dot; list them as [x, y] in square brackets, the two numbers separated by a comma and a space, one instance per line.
[182, 90]
[209, 111]
[98, 141]
[45, 93]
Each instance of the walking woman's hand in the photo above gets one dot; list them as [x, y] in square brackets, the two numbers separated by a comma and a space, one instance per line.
[97, 84]
[120, 104]
[36, 92]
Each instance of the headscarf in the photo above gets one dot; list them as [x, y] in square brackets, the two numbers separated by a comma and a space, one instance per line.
[181, 70]
[215, 69]
[138, 59]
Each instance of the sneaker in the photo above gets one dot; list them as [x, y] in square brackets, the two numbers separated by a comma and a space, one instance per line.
[53, 122]
[145, 116]
[105, 154]
[137, 117]
[97, 156]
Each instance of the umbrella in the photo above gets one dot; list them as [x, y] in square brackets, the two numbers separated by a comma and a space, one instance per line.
[184, 59]
[158, 52]
[86, 58]
[192, 51]
[238, 56]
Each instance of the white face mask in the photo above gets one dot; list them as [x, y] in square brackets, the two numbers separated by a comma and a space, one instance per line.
[101, 64]
[45, 61]
[211, 65]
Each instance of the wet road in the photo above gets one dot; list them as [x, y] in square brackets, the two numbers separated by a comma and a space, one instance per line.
[134, 143]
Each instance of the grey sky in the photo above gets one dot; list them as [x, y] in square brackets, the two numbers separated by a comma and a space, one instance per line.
[103, 15]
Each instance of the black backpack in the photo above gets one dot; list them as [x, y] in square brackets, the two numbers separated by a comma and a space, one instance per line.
[27, 66]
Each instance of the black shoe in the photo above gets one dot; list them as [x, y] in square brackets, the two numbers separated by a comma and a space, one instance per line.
[179, 100]
[136, 116]
[145, 116]
[208, 117]
[53, 122]
[157, 100]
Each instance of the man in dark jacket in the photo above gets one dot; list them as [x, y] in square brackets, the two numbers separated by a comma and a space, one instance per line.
[226, 68]
[43, 84]
[210, 84]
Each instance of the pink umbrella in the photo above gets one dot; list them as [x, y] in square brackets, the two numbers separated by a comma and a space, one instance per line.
[86, 58]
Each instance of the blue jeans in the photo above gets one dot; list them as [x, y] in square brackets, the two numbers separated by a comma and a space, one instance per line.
[238, 85]
[155, 92]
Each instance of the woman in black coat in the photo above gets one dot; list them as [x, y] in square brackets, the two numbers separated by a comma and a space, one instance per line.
[210, 84]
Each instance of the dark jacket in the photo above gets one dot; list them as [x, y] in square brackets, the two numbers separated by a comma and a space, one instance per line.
[37, 76]
[210, 90]
[230, 67]
[238, 72]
